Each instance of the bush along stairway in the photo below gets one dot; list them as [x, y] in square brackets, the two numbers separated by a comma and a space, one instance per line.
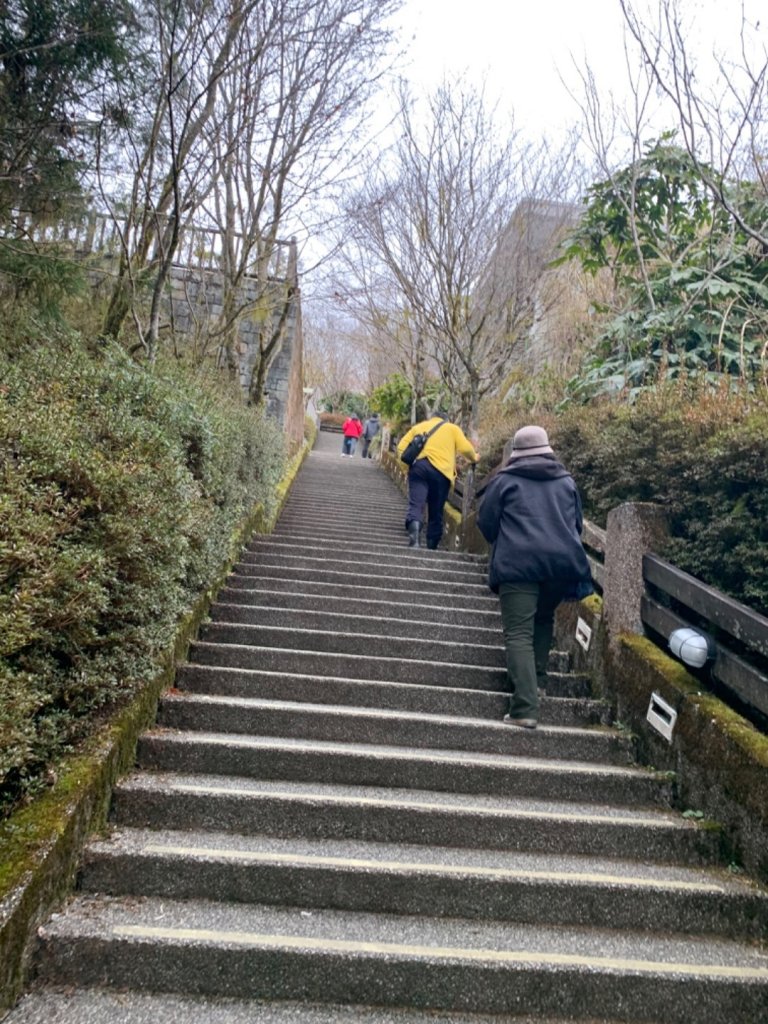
[331, 822]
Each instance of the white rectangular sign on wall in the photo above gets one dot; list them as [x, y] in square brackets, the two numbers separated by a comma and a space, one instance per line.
[661, 716]
[583, 634]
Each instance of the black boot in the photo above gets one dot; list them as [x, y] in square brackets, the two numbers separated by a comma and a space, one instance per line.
[414, 529]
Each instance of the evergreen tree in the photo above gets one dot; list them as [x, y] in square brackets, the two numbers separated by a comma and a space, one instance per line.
[57, 61]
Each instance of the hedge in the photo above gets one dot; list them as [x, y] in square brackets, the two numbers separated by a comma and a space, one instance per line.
[120, 486]
[702, 455]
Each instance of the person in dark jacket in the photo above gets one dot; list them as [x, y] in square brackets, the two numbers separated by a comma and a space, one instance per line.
[531, 515]
[370, 430]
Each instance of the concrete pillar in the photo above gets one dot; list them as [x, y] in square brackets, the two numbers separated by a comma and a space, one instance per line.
[633, 530]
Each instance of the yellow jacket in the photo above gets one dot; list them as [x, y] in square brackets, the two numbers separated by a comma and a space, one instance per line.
[441, 449]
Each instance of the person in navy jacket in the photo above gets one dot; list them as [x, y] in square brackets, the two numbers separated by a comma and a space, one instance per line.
[531, 515]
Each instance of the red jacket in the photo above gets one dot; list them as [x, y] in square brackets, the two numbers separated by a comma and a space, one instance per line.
[352, 427]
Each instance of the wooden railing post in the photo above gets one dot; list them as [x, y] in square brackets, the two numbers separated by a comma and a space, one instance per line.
[468, 502]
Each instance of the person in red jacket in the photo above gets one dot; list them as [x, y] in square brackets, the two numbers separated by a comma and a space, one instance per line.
[352, 429]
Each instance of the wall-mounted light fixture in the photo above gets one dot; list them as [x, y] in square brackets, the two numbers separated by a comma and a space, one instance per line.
[692, 647]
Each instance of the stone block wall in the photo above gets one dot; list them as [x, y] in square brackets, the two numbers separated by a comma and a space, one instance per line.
[195, 300]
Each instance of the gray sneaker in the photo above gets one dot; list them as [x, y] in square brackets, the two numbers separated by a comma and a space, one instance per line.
[523, 723]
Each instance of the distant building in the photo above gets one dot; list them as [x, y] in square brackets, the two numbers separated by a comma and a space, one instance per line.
[547, 309]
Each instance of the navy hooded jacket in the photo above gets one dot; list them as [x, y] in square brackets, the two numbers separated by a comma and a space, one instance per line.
[531, 514]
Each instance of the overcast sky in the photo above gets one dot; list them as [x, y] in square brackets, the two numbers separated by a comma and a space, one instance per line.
[525, 47]
[521, 47]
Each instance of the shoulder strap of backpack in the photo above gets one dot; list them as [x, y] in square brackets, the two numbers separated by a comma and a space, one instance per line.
[431, 432]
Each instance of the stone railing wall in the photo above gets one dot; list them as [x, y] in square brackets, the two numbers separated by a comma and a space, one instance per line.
[194, 300]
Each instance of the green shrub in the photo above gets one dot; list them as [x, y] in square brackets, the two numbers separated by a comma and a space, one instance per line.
[120, 489]
[702, 456]
[698, 452]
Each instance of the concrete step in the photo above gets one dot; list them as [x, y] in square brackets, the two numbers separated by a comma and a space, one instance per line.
[364, 492]
[395, 537]
[352, 666]
[352, 586]
[453, 609]
[425, 817]
[438, 585]
[96, 1006]
[302, 720]
[419, 561]
[424, 648]
[368, 763]
[362, 545]
[559, 661]
[568, 685]
[439, 700]
[369, 508]
[372, 487]
[256, 951]
[349, 519]
[390, 879]
[355, 524]
[350, 620]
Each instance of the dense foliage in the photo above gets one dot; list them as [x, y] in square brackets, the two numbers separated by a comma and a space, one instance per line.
[704, 462]
[345, 403]
[690, 286]
[394, 399]
[120, 489]
[699, 453]
[58, 62]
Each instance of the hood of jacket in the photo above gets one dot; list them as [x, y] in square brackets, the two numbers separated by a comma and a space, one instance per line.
[536, 467]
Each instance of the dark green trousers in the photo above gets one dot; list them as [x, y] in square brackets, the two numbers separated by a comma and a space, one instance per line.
[527, 617]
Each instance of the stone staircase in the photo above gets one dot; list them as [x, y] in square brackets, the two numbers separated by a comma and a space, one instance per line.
[330, 823]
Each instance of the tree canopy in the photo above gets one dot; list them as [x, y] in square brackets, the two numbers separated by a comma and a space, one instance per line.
[690, 286]
[57, 60]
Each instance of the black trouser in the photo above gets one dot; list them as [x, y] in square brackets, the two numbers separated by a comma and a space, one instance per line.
[427, 485]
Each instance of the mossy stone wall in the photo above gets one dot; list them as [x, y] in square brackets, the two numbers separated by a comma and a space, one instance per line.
[719, 760]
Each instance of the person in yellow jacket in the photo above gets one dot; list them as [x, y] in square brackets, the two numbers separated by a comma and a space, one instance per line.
[431, 476]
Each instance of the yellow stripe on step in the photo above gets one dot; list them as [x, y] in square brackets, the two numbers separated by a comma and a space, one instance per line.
[313, 860]
[303, 942]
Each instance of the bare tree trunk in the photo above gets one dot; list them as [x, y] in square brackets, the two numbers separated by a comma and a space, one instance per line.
[270, 341]
[194, 56]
